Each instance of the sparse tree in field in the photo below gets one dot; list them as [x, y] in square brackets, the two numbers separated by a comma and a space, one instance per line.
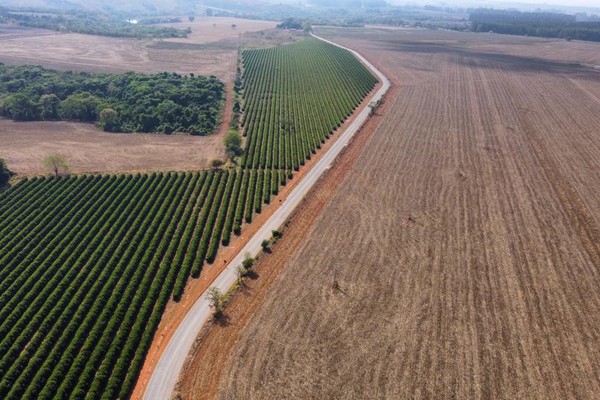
[191, 18]
[241, 273]
[233, 143]
[216, 300]
[373, 106]
[108, 120]
[265, 245]
[248, 262]
[216, 164]
[4, 172]
[56, 162]
[233, 26]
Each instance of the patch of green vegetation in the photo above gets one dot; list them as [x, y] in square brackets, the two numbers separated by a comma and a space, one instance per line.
[130, 102]
[90, 23]
[539, 24]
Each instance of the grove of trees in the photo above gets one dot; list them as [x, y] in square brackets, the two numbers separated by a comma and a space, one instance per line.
[130, 102]
[93, 23]
[549, 25]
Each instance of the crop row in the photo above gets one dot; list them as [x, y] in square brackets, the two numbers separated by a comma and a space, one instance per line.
[88, 263]
[295, 96]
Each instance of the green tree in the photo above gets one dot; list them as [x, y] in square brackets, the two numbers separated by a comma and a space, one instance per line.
[49, 104]
[216, 300]
[108, 120]
[80, 107]
[20, 108]
[4, 172]
[56, 162]
[307, 27]
[216, 164]
[233, 143]
[265, 245]
[248, 262]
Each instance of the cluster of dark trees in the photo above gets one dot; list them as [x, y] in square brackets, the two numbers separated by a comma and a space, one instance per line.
[159, 20]
[4, 173]
[291, 23]
[534, 24]
[91, 23]
[130, 102]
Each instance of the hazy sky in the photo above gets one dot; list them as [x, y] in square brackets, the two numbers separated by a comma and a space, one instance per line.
[505, 3]
[585, 3]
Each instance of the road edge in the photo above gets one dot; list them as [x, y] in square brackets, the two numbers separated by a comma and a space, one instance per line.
[167, 371]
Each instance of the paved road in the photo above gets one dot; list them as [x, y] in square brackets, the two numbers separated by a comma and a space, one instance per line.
[163, 380]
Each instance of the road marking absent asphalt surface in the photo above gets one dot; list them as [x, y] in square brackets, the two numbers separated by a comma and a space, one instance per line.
[164, 378]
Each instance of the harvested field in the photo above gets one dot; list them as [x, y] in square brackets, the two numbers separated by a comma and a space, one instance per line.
[87, 149]
[213, 29]
[71, 51]
[460, 256]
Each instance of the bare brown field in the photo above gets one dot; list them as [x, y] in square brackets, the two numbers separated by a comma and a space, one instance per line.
[210, 50]
[213, 29]
[87, 149]
[464, 241]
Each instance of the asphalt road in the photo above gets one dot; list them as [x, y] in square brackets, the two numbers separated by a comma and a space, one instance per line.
[165, 376]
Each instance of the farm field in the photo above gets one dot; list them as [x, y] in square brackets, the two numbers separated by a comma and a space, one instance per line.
[88, 150]
[460, 256]
[210, 50]
[71, 51]
[88, 263]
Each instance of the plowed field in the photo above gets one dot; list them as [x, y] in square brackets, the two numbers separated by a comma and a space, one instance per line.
[460, 255]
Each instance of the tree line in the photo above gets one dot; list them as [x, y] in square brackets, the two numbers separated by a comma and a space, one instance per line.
[90, 23]
[131, 102]
[549, 25]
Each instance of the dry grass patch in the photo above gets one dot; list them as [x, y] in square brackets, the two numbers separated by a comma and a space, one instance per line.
[87, 149]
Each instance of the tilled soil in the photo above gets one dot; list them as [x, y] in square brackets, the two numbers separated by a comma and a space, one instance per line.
[460, 255]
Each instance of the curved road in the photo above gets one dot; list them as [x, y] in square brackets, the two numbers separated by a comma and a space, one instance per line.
[164, 378]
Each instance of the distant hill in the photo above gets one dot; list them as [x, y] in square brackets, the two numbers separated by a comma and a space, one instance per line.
[150, 6]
